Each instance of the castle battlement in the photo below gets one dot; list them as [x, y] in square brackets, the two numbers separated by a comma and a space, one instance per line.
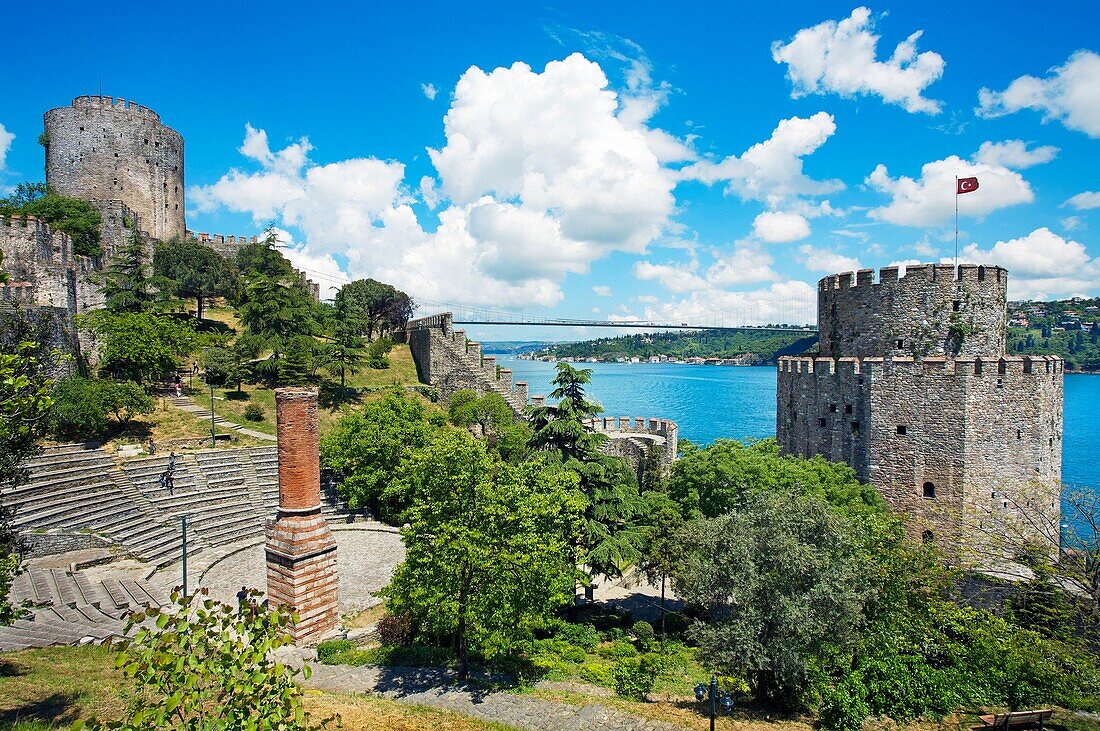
[915, 275]
[968, 366]
[638, 425]
[94, 101]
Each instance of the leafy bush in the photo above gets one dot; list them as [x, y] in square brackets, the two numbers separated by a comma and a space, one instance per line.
[634, 679]
[254, 412]
[83, 406]
[618, 648]
[572, 653]
[582, 635]
[844, 706]
[598, 673]
[376, 354]
[645, 635]
[394, 630]
[197, 655]
[74, 216]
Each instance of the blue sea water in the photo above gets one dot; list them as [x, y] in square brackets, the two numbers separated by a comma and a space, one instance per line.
[712, 402]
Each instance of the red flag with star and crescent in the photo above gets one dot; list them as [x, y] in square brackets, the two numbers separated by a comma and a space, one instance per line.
[966, 185]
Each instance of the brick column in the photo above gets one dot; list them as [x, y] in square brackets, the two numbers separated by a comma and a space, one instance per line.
[301, 550]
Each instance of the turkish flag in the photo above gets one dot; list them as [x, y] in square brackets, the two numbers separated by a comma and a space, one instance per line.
[966, 185]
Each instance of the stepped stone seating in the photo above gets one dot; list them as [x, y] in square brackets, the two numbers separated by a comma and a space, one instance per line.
[227, 495]
[69, 608]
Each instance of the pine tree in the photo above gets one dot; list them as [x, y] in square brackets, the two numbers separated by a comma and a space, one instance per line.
[126, 286]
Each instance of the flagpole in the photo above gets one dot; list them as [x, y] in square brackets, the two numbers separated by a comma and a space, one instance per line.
[956, 221]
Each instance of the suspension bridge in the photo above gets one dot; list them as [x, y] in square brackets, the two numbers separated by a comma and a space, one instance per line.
[789, 316]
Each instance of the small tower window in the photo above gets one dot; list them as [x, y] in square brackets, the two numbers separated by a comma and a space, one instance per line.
[832, 408]
[847, 408]
[929, 490]
[821, 422]
[1019, 434]
[901, 430]
[956, 305]
[901, 344]
[855, 428]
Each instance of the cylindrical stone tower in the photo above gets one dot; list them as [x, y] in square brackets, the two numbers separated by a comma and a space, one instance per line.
[102, 149]
[301, 550]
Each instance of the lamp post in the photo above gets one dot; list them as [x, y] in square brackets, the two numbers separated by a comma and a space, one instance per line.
[213, 438]
[716, 697]
[183, 529]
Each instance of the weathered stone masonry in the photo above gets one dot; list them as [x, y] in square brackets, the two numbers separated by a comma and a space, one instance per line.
[966, 443]
[448, 361]
[301, 550]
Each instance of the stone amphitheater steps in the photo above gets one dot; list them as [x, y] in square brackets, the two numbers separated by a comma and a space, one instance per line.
[72, 609]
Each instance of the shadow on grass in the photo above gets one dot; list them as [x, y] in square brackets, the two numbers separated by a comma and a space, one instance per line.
[331, 396]
[9, 670]
[57, 709]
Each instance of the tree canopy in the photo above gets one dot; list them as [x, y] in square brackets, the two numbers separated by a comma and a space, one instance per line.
[76, 217]
[192, 269]
[487, 552]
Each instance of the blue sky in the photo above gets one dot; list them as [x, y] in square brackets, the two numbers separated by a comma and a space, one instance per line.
[617, 160]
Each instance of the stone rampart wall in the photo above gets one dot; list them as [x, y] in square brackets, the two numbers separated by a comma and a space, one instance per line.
[918, 314]
[986, 434]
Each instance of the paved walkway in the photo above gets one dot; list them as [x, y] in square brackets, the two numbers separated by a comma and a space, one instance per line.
[438, 689]
[184, 403]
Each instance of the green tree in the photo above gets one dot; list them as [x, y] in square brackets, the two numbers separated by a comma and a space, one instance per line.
[24, 405]
[126, 282]
[76, 217]
[82, 406]
[486, 555]
[615, 511]
[663, 550]
[208, 666]
[367, 448]
[782, 591]
[374, 306]
[343, 351]
[139, 346]
[714, 480]
[490, 412]
[193, 270]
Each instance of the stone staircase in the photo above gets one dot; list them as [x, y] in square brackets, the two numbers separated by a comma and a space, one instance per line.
[68, 608]
[184, 403]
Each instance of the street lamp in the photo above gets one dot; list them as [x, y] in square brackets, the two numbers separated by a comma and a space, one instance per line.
[716, 697]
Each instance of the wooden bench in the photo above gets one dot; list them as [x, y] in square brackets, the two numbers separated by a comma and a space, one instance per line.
[1016, 720]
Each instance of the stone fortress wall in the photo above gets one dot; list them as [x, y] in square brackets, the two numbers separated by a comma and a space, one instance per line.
[965, 443]
[103, 149]
[912, 315]
[450, 362]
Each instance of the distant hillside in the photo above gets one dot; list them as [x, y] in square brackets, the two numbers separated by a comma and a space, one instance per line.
[761, 347]
[1069, 328]
[512, 347]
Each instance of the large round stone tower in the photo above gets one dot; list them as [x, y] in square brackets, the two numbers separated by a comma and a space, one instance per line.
[102, 149]
[913, 388]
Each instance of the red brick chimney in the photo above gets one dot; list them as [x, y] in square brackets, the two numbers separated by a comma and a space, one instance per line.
[301, 550]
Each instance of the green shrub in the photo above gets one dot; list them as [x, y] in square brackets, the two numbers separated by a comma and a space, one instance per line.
[83, 406]
[582, 635]
[613, 633]
[327, 650]
[644, 634]
[254, 412]
[618, 649]
[411, 656]
[634, 679]
[598, 673]
[844, 706]
[572, 653]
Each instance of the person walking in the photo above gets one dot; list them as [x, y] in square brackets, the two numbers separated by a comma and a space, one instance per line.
[152, 446]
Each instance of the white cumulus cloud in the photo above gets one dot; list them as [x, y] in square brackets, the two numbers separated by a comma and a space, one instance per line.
[1014, 154]
[674, 278]
[602, 290]
[1070, 94]
[1041, 265]
[429, 90]
[1085, 201]
[746, 264]
[771, 171]
[6, 139]
[779, 227]
[841, 57]
[825, 261]
[789, 302]
[929, 200]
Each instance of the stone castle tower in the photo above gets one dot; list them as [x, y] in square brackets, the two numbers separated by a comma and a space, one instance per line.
[913, 389]
[100, 149]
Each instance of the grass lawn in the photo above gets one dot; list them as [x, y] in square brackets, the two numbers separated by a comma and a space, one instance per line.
[364, 385]
[52, 687]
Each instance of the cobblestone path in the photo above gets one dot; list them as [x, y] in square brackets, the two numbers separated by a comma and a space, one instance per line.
[435, 688]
